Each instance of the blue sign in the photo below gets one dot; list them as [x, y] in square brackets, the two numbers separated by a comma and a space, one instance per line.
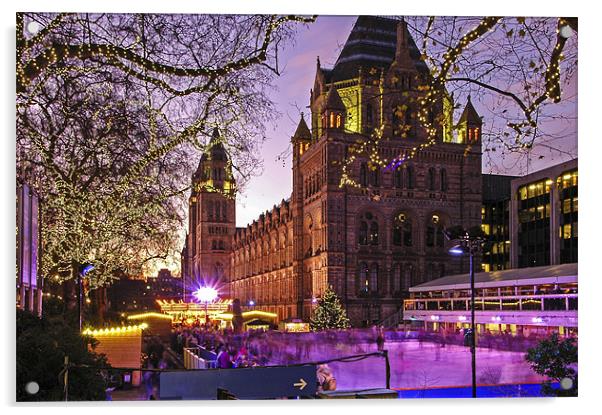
[243, 383]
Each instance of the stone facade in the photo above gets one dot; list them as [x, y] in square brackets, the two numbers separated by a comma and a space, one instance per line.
[369, 242]
[211, 224]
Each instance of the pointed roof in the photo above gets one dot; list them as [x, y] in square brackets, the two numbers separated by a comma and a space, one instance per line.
[470, 115]
[302, 131]
[403, 57]
[372, 43]
[333, 100]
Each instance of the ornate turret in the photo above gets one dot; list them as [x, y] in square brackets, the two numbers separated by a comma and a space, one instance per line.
[333, 111]
[302, 137]
[213, 171]
[469, 125]
[403, 59]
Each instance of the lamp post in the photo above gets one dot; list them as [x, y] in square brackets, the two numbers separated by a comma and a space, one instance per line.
[83, 270]
[469, 243]
[206, 295]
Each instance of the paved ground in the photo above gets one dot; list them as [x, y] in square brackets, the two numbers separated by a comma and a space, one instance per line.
[133, 394]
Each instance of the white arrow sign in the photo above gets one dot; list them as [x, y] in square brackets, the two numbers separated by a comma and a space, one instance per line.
[302, 383]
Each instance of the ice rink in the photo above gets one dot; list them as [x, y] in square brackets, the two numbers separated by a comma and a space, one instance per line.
[416, 365]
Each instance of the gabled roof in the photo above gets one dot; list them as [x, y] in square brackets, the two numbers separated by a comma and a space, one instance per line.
[371, 44]
[302, 131]
[333, 100]
[470, 115]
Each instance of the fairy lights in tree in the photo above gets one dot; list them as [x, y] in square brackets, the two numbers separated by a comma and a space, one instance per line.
[110, 111]
[452, 68]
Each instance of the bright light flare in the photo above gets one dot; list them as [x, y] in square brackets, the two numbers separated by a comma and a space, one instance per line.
[206, 294]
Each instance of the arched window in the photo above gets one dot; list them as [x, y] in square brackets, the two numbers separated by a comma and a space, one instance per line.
[443, 180]
[431, 179]
[434, 232]
[402, 230]
[364, 277]
[410, 177]
[374, 277]
[374, 233]
[375, 177]
[214, 244]
[364, 174]
[368, 229]
[338, 120]
[332, 120]
[398, 180]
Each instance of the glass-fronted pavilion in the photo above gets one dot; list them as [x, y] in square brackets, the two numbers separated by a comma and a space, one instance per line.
[525, 301]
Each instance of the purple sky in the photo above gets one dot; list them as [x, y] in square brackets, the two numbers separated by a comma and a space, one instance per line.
[325, 38]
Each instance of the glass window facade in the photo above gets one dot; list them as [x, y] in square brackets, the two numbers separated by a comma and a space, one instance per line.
[568, 224]
[495, 219]
[534, 224]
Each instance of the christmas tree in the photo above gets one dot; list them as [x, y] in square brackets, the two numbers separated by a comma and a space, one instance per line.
[329, 314]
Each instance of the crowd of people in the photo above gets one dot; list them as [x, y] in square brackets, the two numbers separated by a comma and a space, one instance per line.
[265, 348]
[225, 349]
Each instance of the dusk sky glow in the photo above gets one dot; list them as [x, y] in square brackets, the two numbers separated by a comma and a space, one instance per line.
[325, 39]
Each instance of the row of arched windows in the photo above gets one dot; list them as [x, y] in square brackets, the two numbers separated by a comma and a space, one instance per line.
[402, 232]
[371, 280]
[312, 184]
[432, 180]
[332, 120]
[217, 210]
[218, 245]
[405, 177]
[369, 177]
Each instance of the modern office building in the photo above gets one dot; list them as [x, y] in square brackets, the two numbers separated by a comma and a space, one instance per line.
[495, 217]
[543, 217]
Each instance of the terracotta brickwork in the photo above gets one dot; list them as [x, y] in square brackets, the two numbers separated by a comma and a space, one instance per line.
[374, 241]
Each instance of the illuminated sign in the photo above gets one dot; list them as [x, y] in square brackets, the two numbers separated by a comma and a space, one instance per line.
[296, 327]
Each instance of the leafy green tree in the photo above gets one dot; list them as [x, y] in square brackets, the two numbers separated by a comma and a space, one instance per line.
[329, 314]
[556, 360]
[42, 344]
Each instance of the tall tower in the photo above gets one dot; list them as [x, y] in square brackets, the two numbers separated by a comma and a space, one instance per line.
[301, 141]
[212, 222]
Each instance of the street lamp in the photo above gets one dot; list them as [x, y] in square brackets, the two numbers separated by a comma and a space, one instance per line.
[468, 242]
[83, 270]
[206, 295]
